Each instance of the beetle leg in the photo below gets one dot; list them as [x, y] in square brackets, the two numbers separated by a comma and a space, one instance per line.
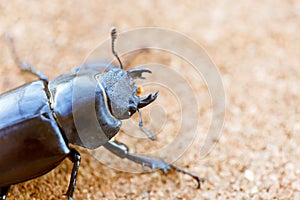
[3, 192]
[75, 158]
[146, 131]
[23, 65]
[122, 151]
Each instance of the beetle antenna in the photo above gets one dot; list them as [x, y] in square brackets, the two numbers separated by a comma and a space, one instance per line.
[23, 65]
[113, 38]
[146, 131]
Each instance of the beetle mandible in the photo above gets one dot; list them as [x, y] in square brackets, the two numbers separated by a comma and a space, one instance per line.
[37, 119]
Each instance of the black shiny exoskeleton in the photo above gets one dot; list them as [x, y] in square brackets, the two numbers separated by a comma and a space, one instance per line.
[40, 119]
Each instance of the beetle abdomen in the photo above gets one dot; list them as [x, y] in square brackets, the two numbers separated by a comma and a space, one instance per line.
[31, 143]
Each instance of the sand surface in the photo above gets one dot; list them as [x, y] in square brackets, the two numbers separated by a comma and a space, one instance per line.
[254, 44]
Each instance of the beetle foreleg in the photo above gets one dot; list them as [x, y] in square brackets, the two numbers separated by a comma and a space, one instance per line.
[3, 192]
[146, 131]
[122, 151]
[75, 158]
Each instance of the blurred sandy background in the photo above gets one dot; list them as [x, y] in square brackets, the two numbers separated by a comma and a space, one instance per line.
[255, 45]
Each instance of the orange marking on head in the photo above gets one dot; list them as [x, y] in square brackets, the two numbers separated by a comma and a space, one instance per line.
[139, 90]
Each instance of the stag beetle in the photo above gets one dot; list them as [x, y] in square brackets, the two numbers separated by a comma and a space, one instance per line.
[37, 121]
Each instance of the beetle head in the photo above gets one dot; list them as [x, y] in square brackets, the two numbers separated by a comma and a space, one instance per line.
[122, 93]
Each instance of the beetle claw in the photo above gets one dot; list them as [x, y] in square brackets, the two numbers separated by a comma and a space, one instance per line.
[194, 176]
[144, 101]
[137, 72]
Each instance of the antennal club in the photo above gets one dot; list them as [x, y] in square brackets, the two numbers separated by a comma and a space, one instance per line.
[113, 38]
